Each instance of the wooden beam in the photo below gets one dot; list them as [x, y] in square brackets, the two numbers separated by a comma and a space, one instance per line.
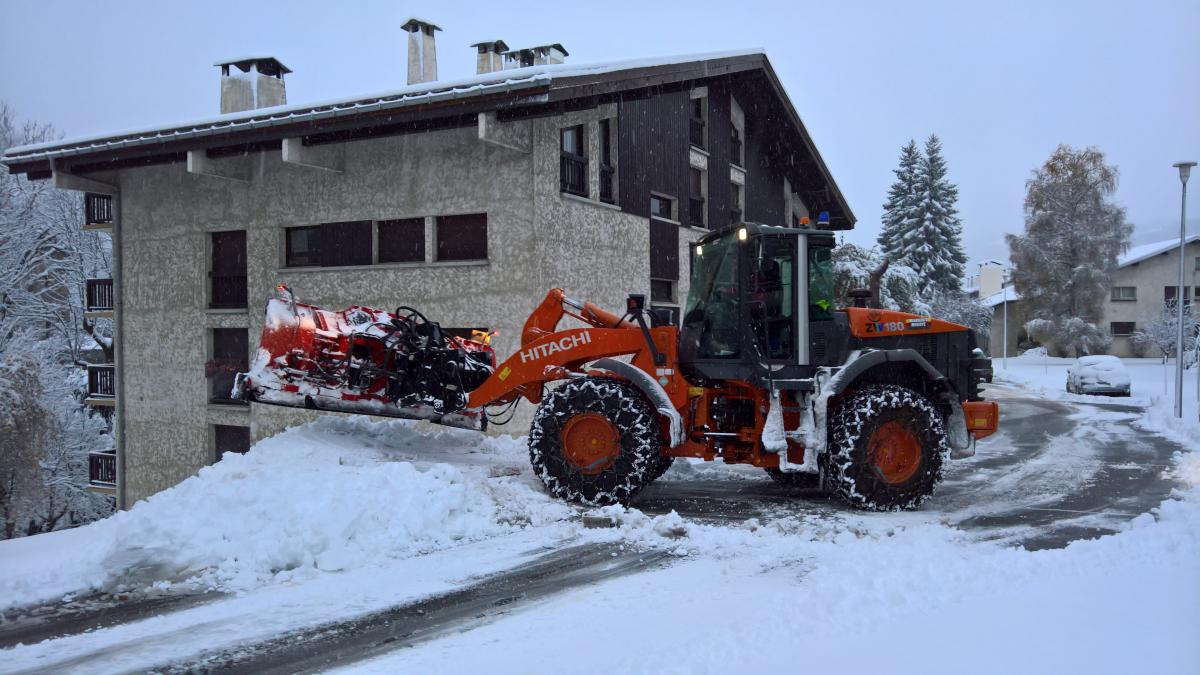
[69, 181]
[330, 157]
[227, 168]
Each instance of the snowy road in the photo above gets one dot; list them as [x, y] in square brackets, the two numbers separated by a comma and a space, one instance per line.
[1059, 471]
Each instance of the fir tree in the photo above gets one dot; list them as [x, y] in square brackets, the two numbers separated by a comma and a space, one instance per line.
[931, 240]
[901, 202]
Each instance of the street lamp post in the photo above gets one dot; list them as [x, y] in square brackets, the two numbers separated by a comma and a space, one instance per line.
[1185, 170]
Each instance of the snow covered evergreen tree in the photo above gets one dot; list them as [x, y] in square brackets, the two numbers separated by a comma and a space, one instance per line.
[900, 208]
[923, 230]
[898, 289]
[1063, 263]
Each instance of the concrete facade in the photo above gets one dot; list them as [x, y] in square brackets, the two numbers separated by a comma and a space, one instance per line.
[538, 238]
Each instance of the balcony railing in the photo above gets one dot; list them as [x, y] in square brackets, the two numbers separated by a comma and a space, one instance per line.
[99, 296]
[573, 178]
[606, 184]
[735, 216]
[696, 211]
[102, 384]
[102, 469]
[97, 210]
[228, 290]
[696, 132]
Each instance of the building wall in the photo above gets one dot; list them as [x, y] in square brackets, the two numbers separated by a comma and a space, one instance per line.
[1149, 276]
[538, 238]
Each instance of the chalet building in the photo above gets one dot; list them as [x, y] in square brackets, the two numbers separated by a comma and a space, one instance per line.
[1146, 277]
[466, 198]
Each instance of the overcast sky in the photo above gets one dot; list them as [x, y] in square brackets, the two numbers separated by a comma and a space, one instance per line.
[1001, 86]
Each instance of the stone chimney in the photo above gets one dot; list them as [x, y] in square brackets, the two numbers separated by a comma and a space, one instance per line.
[422, 51]
[252, 82]
[490, 56]
[543, 55]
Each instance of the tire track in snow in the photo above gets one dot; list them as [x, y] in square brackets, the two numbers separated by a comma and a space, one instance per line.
[342, 642]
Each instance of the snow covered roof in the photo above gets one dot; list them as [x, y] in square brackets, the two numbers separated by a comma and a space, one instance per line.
[1009, 294]
[543, 85]
[425, 92]
[1145, 251]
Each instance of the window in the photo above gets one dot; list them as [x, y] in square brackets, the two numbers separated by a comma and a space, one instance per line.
[462, 237]
[303, 244]
[696, 124]
[329, 244]
[1169, 293]
[606, 163]
[735, 203]
[696, 200]
[227, 277]
[230, 356]
[402, 240]
[662, 207]
[1198, 263]
[662, 290]
[227, 438]
[1122, 328]
[1123, 293]
[769, 296]
[573, 174]
[735, 148]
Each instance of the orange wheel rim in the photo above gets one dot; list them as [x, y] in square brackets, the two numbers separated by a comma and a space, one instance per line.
[895, 451]
[590, 443]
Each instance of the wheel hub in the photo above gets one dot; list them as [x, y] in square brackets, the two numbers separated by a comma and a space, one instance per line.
[895, 451]
[590, 443]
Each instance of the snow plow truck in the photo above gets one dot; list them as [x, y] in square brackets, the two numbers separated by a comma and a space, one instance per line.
[763, 370]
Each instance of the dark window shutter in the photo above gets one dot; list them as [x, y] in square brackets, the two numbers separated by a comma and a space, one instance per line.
[664, 250]
[402, 240]
[345, 244]
[229, 252]
[462, 237]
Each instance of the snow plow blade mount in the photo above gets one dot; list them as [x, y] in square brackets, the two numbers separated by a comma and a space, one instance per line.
[366, 361]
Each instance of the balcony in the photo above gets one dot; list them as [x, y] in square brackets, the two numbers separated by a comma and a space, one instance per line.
[228, 290]
[97, 212]
[102, 470]
[606, 184]
[99, 299]
[102, 385]
[573, 178]
[696, 211]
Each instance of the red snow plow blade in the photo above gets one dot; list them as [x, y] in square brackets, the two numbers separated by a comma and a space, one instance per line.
[363, 360]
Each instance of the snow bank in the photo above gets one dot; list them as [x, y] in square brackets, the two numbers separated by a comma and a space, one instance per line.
[326, 496]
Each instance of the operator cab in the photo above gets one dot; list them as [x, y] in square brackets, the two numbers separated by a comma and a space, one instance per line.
[755, 292]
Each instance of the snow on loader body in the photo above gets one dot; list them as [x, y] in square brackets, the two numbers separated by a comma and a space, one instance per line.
[763, 370]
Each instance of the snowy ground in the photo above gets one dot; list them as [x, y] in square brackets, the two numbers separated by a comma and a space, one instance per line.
[380, 547]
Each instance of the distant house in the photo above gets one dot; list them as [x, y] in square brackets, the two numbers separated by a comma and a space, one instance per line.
[1146, 277]
[468, 198]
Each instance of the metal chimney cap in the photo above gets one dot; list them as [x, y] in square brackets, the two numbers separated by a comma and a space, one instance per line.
[243, 64]
[417, 24]
[498, 46]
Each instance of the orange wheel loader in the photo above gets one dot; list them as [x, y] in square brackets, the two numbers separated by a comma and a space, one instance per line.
[763, 370]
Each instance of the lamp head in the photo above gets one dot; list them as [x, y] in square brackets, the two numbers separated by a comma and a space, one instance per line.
[1185, 170]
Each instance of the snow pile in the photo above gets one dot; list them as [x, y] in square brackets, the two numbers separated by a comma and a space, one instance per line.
[322, 497]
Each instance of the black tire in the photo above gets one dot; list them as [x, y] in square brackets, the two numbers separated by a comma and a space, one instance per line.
[795, 480]
[630, 468]
[664, 464]
[849, 468]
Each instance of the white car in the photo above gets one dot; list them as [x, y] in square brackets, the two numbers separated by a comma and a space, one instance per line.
[1098, 375]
